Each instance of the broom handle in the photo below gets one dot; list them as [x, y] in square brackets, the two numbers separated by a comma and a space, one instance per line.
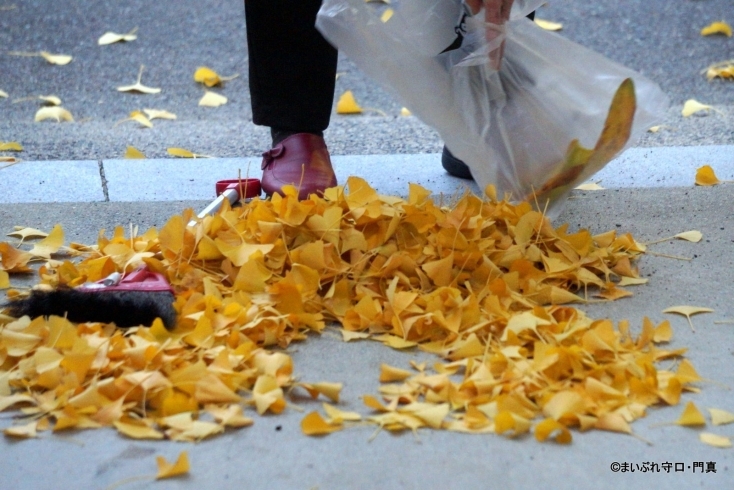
[230, 194]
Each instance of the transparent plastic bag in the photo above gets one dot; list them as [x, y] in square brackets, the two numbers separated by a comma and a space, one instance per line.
[519, 128]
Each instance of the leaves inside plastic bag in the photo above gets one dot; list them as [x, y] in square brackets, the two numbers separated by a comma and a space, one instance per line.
[614, 137]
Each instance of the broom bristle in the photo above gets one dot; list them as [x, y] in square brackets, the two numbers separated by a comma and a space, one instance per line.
[123, 308]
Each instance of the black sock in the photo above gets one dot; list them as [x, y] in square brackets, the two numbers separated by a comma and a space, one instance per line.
[279, 134]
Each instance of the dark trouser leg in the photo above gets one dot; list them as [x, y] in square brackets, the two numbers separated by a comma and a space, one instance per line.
[292, 67]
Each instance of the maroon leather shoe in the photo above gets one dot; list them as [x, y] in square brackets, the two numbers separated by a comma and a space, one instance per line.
[301, 160]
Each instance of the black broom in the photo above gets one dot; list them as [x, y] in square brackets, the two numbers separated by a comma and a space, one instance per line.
[129, 300]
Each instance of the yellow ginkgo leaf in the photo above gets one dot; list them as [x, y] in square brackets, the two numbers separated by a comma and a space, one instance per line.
[548, 25]
[57, 113]
[387, 15]
[694, 236]
[705, 176]
[133, 153]
[136, 430]
[693, 106]
[212, 99]
[183, 153]
[3, 94]
[719, 27]
[337, 416]
[722, 69]
[207, 76]
[111, 37]
[140, 118]
[631, 281]
[167, 470]
[687, 311]
[159, 114]
[50, 99]
[10, 146]
[139, 87]
[714, 440]
[314, 425]
[591, 186]
[24, 233]
[22, 431]
[56, 59]
[691, 416]
[4, 279]
[347, 104]
[654, 129]
[720, 417]
[405, 112]
[554, 429]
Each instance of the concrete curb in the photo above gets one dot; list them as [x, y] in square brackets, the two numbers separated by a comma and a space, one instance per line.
[193, 179]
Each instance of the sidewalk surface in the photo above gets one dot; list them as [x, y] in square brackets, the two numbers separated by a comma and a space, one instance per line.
[650, 194]
[72, 175]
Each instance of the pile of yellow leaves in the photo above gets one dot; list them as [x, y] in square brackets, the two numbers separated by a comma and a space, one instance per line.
[483, 284]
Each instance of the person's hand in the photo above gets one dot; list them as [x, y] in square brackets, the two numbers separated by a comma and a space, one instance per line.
[496, 12]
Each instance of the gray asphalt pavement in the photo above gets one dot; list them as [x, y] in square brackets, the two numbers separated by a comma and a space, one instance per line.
[660, 38]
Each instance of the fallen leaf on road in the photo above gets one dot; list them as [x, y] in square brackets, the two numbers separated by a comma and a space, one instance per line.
[314, 424]
[723, 69]
[692, 106]
[180, 152]
[347, 104]
[694, 236]
[405, 112]
[111, 37]
[56, 59]
[720, 417]
[133, 153]
[548, 25]
[4, 279]
[50, 99]
[387, 15]
[138, 117]
[22, 431]
[159, 114]
[691, 416]
[10, 146]
[167, 470]
[57, 113]
[139, 87]
[654, 129]
[719, 27]
[714, 439]
[210, 78]
[3, 94]
[705, 176]
[24, 233]
[688, 311]
[211, 99]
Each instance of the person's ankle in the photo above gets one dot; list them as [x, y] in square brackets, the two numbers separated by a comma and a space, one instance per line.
[279, 134]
